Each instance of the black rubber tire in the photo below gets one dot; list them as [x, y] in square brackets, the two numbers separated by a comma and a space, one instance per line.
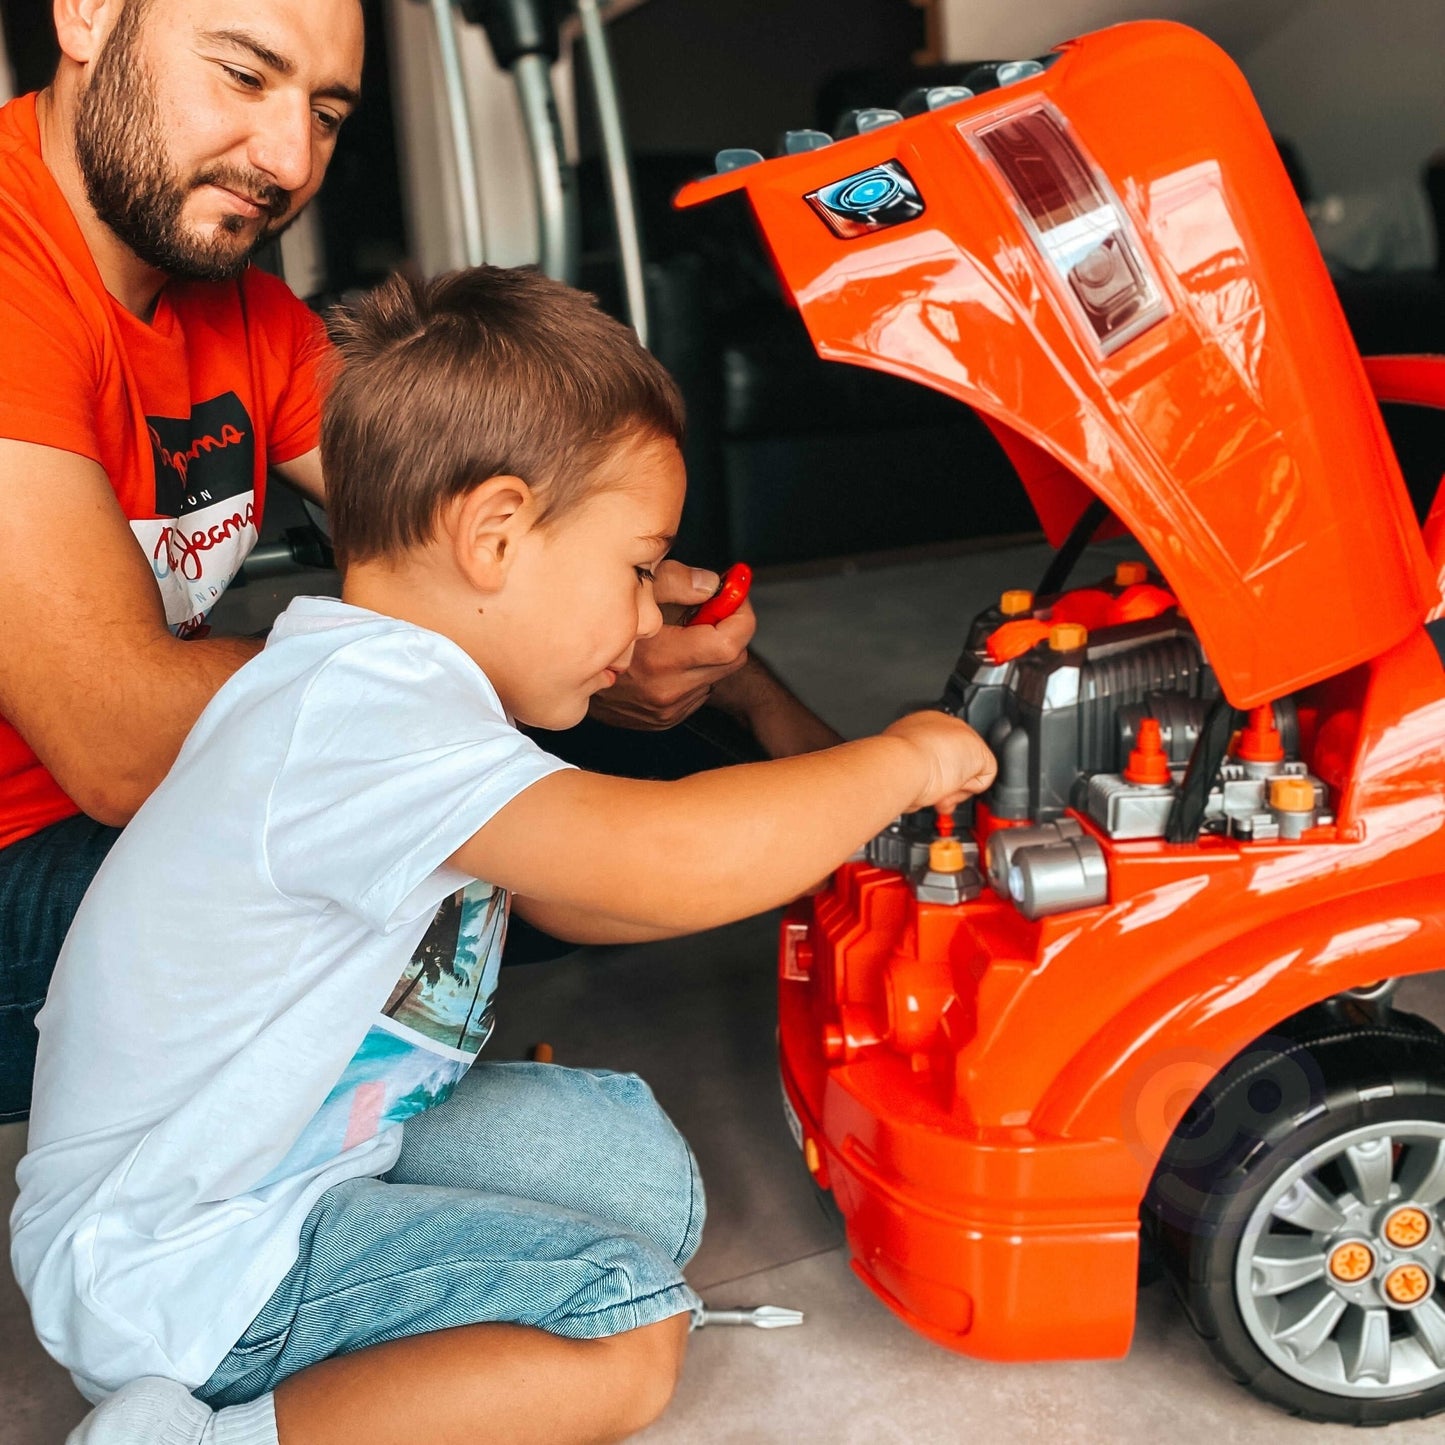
[1325, 1072]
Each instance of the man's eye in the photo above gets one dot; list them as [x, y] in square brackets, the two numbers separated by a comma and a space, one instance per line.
[328, 121]
[645, 574]
[243, 77]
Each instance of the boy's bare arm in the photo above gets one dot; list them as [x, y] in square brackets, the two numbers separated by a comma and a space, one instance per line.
[648, 859]
[586, 925]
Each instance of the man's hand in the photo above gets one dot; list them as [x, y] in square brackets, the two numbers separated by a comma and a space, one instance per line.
[957, 761]
[673, 673]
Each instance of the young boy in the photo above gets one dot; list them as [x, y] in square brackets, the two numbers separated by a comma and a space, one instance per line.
[258, 1161]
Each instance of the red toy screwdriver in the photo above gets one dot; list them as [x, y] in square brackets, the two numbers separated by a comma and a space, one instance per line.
[731, 592]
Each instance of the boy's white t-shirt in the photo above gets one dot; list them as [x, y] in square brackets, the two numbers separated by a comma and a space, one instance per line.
[271, 971]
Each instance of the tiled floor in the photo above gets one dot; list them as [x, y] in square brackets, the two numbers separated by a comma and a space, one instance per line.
[696, 1017]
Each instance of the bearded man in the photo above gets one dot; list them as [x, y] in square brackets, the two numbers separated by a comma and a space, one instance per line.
[150, 378]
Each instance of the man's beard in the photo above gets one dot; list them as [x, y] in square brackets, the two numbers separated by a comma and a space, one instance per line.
[131, 185]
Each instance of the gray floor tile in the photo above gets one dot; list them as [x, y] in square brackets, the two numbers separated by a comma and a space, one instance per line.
[38, 1404]
[852, 1374]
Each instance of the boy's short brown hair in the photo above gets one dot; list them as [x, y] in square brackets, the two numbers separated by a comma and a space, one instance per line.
[479, 373]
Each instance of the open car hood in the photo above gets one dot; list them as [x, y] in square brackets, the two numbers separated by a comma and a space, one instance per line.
[1219, 409]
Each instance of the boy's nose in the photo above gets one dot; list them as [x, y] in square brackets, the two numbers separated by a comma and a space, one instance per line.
[649, 615]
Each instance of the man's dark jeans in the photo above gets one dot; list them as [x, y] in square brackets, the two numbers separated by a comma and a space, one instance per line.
[42, 880]
[43, 877]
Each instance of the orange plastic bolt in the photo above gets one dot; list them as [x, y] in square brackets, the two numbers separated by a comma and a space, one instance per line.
[1259, 742]
[1016, 601]
[1130, 574]
[1408, 1284]
[1068, 636]
[1352, 1262]
[1407, 1227]
[945, 855]
[1291, 795]
[1148, 763]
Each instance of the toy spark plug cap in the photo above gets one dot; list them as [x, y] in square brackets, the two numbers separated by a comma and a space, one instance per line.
[1260, 748]
[945, 853]
[1149, 763]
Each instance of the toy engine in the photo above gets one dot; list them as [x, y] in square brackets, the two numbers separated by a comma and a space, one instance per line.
[1093, 702]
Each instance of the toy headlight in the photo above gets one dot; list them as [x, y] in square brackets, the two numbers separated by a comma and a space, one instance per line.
[1078, 223]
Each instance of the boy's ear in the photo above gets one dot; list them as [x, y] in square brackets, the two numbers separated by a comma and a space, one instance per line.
[82, 25]
[485, 525]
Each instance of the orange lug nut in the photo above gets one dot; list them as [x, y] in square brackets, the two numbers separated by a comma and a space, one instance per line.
[1351, 1262]
[1130, 574]
[1016, 602]
[1148, 763]
[1408, 1284]
[1407, 1227]
[1260, 742]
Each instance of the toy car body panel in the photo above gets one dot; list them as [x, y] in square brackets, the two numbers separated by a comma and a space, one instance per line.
[1106, 262]
[1233, 434]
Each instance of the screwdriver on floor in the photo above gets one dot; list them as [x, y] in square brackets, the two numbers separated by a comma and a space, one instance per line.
[765, 1317]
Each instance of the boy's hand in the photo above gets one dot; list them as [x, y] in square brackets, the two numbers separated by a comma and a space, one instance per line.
[673, 673]
[957, 760]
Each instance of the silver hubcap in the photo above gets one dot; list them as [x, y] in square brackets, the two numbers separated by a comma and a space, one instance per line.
[1339, 1270]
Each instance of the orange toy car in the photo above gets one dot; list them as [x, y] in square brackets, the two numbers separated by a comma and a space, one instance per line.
[1146, 977]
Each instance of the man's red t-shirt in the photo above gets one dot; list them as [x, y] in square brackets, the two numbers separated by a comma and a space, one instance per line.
[184, 412]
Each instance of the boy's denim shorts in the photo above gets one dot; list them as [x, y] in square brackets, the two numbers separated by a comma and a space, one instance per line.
[536, 1195]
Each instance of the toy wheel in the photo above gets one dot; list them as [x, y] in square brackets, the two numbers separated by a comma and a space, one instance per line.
[1300, 1212]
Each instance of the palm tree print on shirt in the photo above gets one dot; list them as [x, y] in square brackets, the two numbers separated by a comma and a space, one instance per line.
[446, 990]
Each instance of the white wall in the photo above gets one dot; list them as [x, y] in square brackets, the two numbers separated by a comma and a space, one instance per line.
[998, 29]
[1358, 85]
[428, 167]
[7, 82]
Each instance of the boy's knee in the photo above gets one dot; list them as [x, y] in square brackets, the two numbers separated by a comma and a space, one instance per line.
[649, 1364]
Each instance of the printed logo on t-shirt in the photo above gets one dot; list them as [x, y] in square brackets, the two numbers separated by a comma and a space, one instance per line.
[205, 521]
[437, 1018]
